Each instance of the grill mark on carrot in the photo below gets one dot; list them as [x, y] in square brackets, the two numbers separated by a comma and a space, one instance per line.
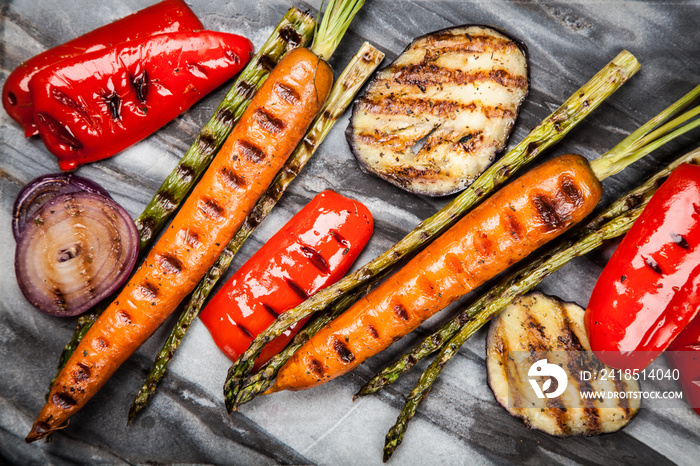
[148, 291]
[287, 94]
[270, 310]
[482, 244]
[343, 351]
[211, 209]
[58, 131]
[299, 291]
[571, 191]
[230, 179]
[268, 122]
[100, 344]
[401, 313]
[513, 226]
[81, 373]
[315, 258]
[454, 263]
[315, 367]
[372, 331]
[168, 263]
[250, 152]
[244, 330]
[188, 238]
[546, 209]
[123, 317]
[63, 400]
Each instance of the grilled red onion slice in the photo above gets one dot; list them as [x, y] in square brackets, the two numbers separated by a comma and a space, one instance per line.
[78, 249]
[43, 188]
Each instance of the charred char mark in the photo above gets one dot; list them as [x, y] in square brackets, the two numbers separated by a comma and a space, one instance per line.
[245, 330]
[652, 264]
[270, 310]
[59, 299]
[429, 74]
[63, 135]
[225, 117]
[145, 228]
[267, 62]
[211, 209]
[680, 240]
[81, 372]
[168, 264]
[372, 331]
[299, 291]
[339, 238]
[513, 226]
[482, 244]
[166, 201]
[250, 152]
[245, 90]
[230, 179]
[570, 191]
[114, 105]
[315, 258]
[140, 83]
[287, 94]
[189, 238]
[148, 291]
[291, 36]
[63, 400]
[316, 368]
[343, 351]
[206, 143]
[64, 99]
[401, 312]
[123, 317]
[547, 211]
[269, 123]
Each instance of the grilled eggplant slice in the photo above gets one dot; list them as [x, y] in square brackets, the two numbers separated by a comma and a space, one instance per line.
[537, 327]
[436, 118]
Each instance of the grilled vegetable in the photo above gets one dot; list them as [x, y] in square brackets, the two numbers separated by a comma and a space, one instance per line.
[684, 354]
[650, 288]
[501, 231]
[617, 219]
[166, 16]
[269, 130]
[349, 82]
[553, 128]
[75, 251]
[41, 189]
[505, 228]
[294, 30]
[436, 118]
[315, 248]
[538, 332]
[95, 105]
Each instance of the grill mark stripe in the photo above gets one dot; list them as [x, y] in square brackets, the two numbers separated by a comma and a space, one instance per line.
[315, 258]
[244, 330]
[168, 264]
[407, 105]
[267, 122]
[315, 367]
[231, 179]
[339, 238]
[270, 310]
[546, 209]
[478, 43]
[148, 291]
[63, 400]
[297, 289]
[211, 209]
[432, 75]
[287, 94]
[343, 351]
[401, 312]
[250, 152]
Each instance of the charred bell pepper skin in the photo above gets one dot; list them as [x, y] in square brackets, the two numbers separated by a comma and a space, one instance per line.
[314, 249]
[166, 16]
[684, 354]
[93, 106]
[650, 289]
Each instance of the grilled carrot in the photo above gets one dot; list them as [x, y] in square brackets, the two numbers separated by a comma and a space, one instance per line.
[267, 133]
[508, 226]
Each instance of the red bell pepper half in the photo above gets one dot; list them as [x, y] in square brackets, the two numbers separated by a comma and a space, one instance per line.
[92, 106]
[684, 354]
[166, 16]
[650, 289]
[313, 250]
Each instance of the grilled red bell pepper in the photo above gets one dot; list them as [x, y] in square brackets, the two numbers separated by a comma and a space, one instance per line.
[684, 354]
[90, 107]
[314, 249]
[166, 16]
[650, 289]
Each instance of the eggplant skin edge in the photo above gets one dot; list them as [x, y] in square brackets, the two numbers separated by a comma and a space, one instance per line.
[403, 177]
[532, 417]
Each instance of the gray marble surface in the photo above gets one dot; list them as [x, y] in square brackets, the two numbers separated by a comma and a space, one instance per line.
[459, 423]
